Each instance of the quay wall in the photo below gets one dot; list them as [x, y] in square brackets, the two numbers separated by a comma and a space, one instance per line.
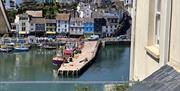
[85, 66]
[92, 60]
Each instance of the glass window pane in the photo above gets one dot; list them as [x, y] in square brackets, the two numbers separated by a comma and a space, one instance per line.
[157, 31]
[158, 5]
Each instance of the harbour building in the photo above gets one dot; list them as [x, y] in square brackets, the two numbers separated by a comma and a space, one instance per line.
[9, 4]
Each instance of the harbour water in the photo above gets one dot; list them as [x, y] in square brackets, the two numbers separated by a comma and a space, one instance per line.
[111, 64]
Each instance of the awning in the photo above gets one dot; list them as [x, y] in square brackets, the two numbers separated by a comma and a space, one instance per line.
[23, 32]
[50, 32]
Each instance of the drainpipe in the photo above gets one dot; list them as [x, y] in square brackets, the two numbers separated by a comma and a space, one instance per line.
[133, 27]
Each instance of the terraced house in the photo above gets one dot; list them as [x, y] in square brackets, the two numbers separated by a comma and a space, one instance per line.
[9, 4]
[112, 21]
[88, 26]
[62, 21]
[37, 23]
[50, 26]
[22, 24]
[38, 26]
[76, 27]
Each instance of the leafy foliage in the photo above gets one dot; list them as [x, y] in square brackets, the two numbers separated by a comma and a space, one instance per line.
[11, 13]
[121, 87]
[49, 9]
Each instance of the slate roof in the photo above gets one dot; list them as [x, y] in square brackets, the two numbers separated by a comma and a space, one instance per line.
[165, 79]
[35, 13]
[50, 20]
[97, 14]
[89, 20]
[63, 16]
[38, 20]
[77, 19]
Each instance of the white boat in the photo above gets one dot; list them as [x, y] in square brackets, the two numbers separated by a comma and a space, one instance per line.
[22, 47]
[5, 50]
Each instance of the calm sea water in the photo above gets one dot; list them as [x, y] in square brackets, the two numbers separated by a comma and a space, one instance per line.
[111, 64]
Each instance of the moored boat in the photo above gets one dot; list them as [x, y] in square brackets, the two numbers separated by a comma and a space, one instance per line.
[58, 60]
[5, 48]
[48, 47]
[22, 47]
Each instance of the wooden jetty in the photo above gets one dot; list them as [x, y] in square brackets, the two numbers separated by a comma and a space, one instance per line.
[80, 61]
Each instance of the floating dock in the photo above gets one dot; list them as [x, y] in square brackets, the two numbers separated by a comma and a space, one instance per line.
[80, 61]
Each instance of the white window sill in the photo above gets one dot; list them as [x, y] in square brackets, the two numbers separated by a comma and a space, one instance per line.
[153, 51]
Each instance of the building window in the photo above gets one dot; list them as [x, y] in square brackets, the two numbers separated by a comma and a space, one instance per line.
[23, 24]
[23, 28]
[157, 22]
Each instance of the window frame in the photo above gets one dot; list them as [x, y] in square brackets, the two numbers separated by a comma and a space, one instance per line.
[157, 23]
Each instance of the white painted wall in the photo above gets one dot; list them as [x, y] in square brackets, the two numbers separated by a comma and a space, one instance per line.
[144, 64]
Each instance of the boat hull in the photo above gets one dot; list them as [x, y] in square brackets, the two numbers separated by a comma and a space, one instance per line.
[5, 50]
[57, 61]
[21, 49]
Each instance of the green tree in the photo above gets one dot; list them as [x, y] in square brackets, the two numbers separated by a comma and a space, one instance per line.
[11, 13]
[50, 11]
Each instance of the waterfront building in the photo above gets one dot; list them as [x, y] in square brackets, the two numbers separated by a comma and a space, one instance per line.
[9, 4]
[38, 26]
[50, 26]
[76, 27]
[4, 24]
[84, 10]
[155, 45]
[88, 26]
[22, 24]
[99, 21]
[112, 21]
[13, 27]
[62, 23]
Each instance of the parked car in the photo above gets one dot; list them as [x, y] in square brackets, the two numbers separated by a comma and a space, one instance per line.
[93, 37]
[121, 37]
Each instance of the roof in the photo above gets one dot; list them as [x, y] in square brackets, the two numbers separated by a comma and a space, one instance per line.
[77, 19]
[38, 20]
[35, 13]
[165, 79]
[50, 20]
[23, 15]
[89, 20]
[110, 15]
[97, 14]
[63, 16]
